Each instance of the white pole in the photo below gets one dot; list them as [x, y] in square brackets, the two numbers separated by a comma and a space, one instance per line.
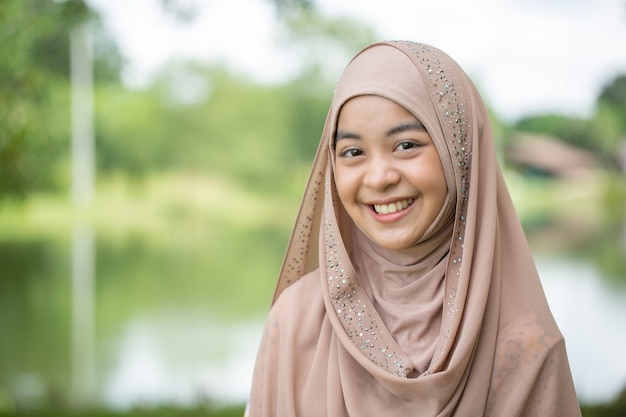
[83, 253]
[82, 117]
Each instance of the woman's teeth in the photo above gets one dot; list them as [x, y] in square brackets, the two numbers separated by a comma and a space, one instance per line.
[393, 207]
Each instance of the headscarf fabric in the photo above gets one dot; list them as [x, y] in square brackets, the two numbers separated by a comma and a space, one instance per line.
[457, 327]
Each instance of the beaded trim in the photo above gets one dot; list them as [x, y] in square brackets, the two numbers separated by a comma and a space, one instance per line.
[354, 311]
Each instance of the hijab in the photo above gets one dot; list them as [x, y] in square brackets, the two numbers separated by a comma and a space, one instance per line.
[457, 325]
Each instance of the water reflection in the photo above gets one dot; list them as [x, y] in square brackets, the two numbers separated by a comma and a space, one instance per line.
[160, 324]
[82, 260]
[590, 313]
[181, 359]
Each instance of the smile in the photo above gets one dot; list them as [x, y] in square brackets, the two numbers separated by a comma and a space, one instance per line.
[392, 207]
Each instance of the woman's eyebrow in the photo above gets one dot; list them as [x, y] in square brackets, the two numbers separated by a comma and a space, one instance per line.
[413, 125]
[344, 134]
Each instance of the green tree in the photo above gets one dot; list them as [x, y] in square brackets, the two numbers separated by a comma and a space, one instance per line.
[614, 94]
[609, 120]
[34, 88]
[575, 131]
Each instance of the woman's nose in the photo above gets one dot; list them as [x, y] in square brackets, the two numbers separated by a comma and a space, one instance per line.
[380, 174]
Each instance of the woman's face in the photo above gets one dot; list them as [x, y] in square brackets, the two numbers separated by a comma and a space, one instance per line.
[388, 172]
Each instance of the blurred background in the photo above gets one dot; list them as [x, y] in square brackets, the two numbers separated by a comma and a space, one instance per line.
[153, 154]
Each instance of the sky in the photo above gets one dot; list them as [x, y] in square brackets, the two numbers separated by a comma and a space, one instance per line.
[526, 56]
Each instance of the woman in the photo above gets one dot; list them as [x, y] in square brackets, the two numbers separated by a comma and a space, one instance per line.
[408, 288]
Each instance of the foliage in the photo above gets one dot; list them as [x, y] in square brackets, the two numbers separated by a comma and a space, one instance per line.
[235, 128]
[34, 93]
[223, 123]
[616, 408]
[614, 95]
[609, 121]
[575, 131]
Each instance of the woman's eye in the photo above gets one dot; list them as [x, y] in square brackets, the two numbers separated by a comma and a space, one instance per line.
[403, 146]
[351, 153]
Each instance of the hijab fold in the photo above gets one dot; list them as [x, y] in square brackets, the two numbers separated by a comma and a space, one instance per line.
[457, 325]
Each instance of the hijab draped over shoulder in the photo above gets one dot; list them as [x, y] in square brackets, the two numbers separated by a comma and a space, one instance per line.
[456, 326]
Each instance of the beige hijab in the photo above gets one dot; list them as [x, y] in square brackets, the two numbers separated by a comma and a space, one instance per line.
[458, 325]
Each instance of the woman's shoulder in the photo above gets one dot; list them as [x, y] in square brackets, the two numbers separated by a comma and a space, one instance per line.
[528, 339]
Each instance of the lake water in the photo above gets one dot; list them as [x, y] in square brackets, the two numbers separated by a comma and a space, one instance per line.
[591, 314]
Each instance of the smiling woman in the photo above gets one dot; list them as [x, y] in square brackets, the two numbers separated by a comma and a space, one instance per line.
[388, 172]
[408, 287]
